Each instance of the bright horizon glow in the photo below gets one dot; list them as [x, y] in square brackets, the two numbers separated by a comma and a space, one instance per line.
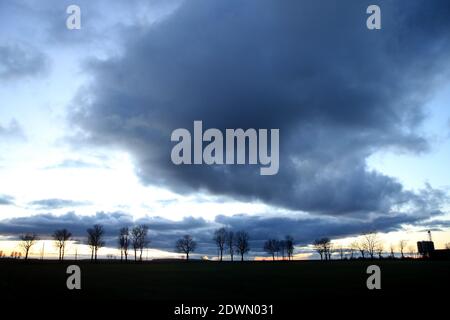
[81, 251]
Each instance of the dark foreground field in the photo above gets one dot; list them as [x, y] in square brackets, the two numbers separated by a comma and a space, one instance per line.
[212, 281]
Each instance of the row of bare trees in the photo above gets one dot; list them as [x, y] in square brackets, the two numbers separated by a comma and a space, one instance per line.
[323, 248]
[137, 238]
[233, 242]
[225, 240]
[60, 237]
[284, 247]
[368, 246]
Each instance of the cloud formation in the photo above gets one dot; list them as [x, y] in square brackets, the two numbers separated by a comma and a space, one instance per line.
[337, 91]
[6, 199]
[164, 232]
[19, 61]
[49, 204]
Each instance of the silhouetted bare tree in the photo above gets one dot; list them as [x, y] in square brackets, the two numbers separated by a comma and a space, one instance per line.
[318, 247]
[359, 246]
[370, 242]
[95, 239]
[402, 246]
[124, 243]
[230, 243]
[379, 250]
[220, 238]
[186, 245]
[392, 251]
[323, 248]
[282, 248]
[241, 243]
[330, 250]
[139, 240]
[61, 237]
[272, 246]
[289, 243]
[341, 252]
[27, 241]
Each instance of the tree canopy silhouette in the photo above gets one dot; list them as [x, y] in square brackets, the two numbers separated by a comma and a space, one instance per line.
[61, 237]
[139, 240]
[95, 239]
[220, 238]
[242, 243]
[186, 245]
[27, 241]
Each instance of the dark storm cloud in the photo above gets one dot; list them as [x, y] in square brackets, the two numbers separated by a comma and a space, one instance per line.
[305, 231]
[161, 224]
[337, 91]
[19, 61]
[435, 225]
[6, 200]
[112, 221]
[163, 232]
[46, 224]
[48, 204]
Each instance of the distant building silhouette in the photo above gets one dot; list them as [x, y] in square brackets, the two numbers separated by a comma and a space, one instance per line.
[427, 250]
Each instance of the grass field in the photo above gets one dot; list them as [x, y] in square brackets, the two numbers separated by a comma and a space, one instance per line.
[208, 281]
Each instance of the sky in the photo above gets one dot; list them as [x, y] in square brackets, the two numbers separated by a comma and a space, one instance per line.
[86, 118]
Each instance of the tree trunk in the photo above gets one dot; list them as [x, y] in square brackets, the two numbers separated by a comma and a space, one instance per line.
[187, 256]
[26, 254]
[242, 257]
